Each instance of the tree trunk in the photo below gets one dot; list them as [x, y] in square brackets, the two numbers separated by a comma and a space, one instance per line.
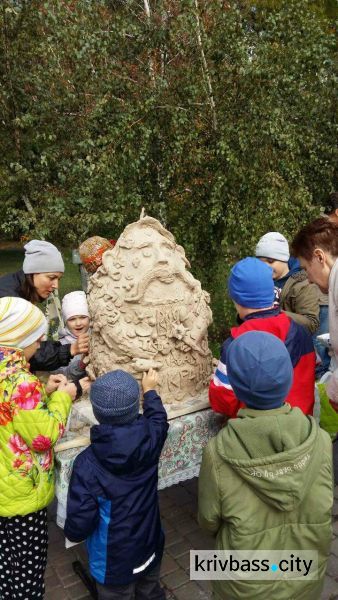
[205, 69]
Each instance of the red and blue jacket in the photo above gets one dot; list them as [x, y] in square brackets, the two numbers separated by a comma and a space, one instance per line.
[112, 496]
[300, 347]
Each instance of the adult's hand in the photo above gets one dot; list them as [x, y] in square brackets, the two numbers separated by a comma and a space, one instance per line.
[54, 382]
[81, 346]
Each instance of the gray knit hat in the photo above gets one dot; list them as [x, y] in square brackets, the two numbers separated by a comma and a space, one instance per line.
[273, 245]
[42, 257]
[115, 398]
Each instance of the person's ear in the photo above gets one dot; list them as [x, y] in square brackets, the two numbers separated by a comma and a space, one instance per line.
[319, 255]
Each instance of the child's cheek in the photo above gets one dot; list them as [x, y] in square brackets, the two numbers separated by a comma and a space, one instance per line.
[71, 329]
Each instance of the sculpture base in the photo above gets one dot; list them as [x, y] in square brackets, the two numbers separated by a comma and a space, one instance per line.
[82, 411]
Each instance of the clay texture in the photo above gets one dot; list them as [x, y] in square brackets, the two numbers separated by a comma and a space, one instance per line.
[148, 310]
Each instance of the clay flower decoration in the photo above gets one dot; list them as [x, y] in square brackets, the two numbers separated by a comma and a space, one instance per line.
[27, 395]
[5, 413]
[41, 443]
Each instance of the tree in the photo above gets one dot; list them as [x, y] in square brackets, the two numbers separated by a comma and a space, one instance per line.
[216, 116]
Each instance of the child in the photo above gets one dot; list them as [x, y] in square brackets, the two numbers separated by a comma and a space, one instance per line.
[32, 419]
[91, 251]
[112, 497]
[75, 314]
[297, 297]
[266, 478]
[251, 288]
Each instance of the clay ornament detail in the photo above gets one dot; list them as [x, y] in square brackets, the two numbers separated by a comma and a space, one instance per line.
[148, 310]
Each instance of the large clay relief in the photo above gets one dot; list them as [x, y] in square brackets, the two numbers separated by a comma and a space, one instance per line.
[149, 311]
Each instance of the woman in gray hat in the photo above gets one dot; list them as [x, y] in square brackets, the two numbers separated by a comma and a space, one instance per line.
[39, 277]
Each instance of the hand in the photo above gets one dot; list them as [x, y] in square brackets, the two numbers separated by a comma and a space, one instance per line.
[149, 380]
[85, 384]
[81, 346]
[69, 388]
[54, 382]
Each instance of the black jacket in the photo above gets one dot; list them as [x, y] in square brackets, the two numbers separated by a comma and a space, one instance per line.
[112, 496]
[51, 355]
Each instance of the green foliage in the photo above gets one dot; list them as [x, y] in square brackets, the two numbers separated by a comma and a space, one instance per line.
[222, 127]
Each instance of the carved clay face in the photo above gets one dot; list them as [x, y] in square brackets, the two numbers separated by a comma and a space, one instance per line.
[148, 310]
[152, 249]
[146, 263]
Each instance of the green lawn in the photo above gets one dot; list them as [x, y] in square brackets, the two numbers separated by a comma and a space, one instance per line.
[11, 260]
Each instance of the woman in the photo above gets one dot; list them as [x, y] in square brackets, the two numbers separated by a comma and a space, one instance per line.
[316, 245]
[41, 272]
[32, 419]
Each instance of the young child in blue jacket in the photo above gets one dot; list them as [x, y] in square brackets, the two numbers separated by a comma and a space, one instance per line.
[112, 497]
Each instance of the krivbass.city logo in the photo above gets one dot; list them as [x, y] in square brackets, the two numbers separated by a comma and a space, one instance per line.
[253, 564]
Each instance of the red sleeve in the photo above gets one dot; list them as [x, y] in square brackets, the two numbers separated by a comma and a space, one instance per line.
[223, 400]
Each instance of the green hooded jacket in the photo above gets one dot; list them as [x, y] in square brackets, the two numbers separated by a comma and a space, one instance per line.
[266, 484]
[30, 425]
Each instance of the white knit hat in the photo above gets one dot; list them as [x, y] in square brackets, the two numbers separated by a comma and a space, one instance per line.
[42, 257]
[21, 323]
[273, 245]
[74, 304]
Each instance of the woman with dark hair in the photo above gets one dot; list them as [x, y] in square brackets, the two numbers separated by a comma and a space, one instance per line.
[41, 272]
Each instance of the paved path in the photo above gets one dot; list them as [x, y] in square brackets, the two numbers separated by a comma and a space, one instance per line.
[178, 509]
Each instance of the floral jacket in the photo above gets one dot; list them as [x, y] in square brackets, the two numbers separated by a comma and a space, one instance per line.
[30, 424]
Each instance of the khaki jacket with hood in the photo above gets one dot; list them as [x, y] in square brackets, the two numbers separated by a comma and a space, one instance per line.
[300, 300]
[266, 484]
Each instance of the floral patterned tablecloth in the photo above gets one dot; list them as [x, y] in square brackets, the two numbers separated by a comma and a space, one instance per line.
[180, 459]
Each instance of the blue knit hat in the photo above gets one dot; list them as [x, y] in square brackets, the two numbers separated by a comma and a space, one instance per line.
[259, 369]
[115, 398]
[251, 284]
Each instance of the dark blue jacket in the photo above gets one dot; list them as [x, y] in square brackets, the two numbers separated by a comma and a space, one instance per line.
[112, 496]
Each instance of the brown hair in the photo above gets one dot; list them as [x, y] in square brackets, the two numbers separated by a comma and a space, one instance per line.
[321, 233]
[29, 291]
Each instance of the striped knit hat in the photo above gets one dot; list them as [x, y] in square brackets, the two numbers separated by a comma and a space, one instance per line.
[21, 323]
